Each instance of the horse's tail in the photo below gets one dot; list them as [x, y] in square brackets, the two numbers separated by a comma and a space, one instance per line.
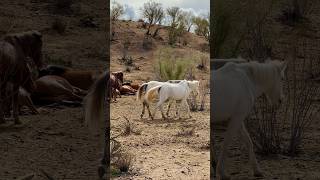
[94, 102]
[152, 93]
[141, 89]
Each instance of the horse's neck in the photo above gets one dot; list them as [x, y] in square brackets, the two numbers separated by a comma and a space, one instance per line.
[258, 82]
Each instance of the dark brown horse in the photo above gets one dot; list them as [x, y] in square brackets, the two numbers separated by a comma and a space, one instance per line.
[15, 49]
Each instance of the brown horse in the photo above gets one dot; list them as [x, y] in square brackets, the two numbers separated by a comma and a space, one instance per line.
[115, 84]
[14, 52]
[82, 79]
[94, 105]
[52, 88]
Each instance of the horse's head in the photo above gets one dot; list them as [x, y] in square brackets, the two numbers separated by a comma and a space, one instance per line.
[274, 92]
[118, 75]
[30, 43]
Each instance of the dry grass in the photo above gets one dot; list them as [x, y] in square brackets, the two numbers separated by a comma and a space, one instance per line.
[129, 128]
[186, 132]
[121, 159]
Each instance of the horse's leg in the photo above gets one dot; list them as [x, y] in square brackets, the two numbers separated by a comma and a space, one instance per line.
[161, 109]
[159, 105]
[232, 129]
[143, 109]
[148, 107]
[252, 158]
[169, 105]
[15, 102]
[187, 106]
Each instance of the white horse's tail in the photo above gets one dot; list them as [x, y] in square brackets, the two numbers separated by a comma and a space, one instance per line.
[141, 89]
[94, 102]
[152, 93]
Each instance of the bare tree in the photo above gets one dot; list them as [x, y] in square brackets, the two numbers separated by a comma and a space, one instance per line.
[153, 12]
[202, 26]
[117, 10]
[174, 14]
[187, 17]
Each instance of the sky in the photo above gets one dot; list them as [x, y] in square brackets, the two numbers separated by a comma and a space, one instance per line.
[132, 7]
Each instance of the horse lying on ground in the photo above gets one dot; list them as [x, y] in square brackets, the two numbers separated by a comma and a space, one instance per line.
[235, 89]
[14, 52]
[171, 91]
[146, 87]
[52, 88]
[78, 78]
[94, 105]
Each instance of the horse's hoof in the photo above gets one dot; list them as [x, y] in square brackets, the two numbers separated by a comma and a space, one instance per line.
[101, 171]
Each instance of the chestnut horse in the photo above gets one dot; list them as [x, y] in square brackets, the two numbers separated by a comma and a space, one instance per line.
[14, 52]
[82, 79]
[52, 88]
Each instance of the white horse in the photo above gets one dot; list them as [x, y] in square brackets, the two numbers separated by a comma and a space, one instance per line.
[171, 91]
[147, 86]
[235, 89]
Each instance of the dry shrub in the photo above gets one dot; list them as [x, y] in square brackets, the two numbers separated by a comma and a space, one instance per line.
[186, 132]
[204, 91]
[300, 105]
[297, 11]
[265, 126]
[57, 60]
[203, 65]
[59, 25]
[147, 42]
[129, 128]
[121, 159]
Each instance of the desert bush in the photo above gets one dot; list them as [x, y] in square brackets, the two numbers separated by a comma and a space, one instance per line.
[258, 46]
[59, 25]
[121, 159]
[265, 126]
[301, 107]
[170, 67]
[147, 42]
[204, 91]
[296, 12]
[129, 128]
[183, 132]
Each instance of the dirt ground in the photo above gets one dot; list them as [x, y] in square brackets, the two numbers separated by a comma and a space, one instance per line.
[159, 151]
[56, 141]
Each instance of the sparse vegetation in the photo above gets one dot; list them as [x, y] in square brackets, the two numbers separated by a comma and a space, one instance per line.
[50, 59]
[121, 159]
[183, 132]
[171, 67]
